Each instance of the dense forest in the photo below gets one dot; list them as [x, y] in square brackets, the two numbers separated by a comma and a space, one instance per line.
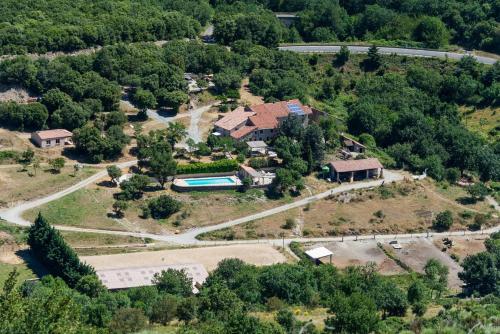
[408, 107]
[428, 23]
[242, 298]
[64, 25]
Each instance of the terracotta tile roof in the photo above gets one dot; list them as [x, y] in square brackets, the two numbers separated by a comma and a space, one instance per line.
[243, 131]
[264, 120]
[277, 109]
[342, 166]
[234, 118]
[55, 133]
[250, 171]
[262, 116]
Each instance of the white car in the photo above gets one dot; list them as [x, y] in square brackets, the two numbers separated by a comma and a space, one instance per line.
[395, 244]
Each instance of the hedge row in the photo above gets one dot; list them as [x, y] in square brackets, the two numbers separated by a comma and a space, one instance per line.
[220, 166]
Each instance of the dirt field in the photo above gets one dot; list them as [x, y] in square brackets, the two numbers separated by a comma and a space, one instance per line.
[14, 94]
[416, 253]
[208, 256]
[464, 246]
[13, 256]
[19, 186]
[358, 253]
[405, 207]
[246, 97]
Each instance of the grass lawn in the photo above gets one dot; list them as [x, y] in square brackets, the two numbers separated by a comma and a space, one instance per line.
[404, 207]
[19, 186]
[460, 196]
[486, 121]
[86, 207]
[89, 240]
[24, 272]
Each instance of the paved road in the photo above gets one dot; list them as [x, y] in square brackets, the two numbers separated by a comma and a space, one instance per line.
[385, 50]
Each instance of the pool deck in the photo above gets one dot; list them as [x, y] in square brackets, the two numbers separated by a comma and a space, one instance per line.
[182, 186]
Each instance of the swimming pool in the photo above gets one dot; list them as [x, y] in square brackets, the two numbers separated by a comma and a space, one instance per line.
[211, 181]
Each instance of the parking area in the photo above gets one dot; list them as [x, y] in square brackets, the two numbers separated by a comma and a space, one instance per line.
[416, 253]
[356, 253]
[462, 246]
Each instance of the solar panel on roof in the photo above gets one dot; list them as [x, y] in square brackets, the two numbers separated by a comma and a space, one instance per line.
[296, 109]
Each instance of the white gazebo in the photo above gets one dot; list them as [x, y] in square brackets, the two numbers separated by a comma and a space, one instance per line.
[317, 253]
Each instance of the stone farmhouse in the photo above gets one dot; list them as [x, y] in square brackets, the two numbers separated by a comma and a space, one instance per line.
[262, 121]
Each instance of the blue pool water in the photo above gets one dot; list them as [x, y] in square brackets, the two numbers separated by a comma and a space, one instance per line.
[210, 181]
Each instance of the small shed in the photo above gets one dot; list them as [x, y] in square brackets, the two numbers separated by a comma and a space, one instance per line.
[352, 145]
[51, 138]
[318, 253]
[259, 178]
[257, 147]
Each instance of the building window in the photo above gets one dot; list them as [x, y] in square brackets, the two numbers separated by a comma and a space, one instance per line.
[58, 141]
[261, 131]
[47, 142]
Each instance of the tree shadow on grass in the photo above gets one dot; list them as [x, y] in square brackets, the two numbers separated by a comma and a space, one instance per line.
[107, 184]
[32, 263]
[466, 200]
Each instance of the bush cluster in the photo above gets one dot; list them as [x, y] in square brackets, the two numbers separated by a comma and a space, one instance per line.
[221, 166]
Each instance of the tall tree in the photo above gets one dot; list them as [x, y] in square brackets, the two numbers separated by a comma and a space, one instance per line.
[313, 146]
[50, 248]
[175, 133]
[161, 162]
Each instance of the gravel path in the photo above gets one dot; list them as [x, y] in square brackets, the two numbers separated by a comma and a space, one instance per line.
[14, 215]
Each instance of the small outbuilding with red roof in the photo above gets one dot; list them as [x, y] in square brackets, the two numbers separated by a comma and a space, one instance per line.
[51, 138]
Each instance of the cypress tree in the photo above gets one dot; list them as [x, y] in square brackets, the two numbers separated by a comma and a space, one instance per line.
[52, 251]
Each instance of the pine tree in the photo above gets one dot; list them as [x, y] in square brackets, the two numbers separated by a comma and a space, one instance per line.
[52, 251]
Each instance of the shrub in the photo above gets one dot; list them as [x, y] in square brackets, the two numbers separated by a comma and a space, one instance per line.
[221, 166]
[479, 220]
[467, 214]
[290, 223]
[443, 221]
[453, 175]
[258, 163]
[163, 206]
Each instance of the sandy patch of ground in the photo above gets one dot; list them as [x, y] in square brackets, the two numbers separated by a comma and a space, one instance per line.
[416, 253]
[206, 123]
[359, 253]
[464, 246]
[8, 249]
[14, 94]
[207, 256]
[246, 97]
[409, 207]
